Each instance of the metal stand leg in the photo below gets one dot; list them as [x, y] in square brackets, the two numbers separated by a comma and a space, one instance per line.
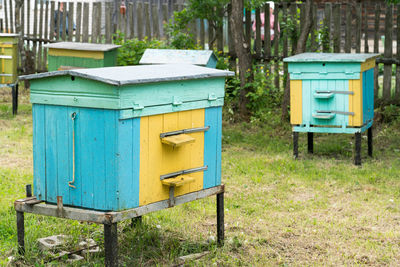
[295, 145]
[220, 219]
[310, 143]
[357, 158]
[14, 93]
[370, 147]
[135, 221]
[21, 232]
[111, 244]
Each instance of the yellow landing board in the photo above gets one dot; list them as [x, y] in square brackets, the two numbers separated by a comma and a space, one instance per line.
[158, 159]
[355, 102]
[296, 108]
[76, 53]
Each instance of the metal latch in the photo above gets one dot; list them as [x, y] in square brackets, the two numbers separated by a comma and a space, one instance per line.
[212, 97]
[137, 106]
[176, 101]
[182, 172]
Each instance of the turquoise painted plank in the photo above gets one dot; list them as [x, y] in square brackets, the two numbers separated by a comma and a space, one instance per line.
[210, 147]
[51, 154]
[148, 111]
[125, 159]
[305, 129]
[134, 198]
[39, 151]
[98, 155]
[219, 145]
[64, 168]
[306, 104]
[329, 76]
[110, 150]
[76, 193]
[368, 95]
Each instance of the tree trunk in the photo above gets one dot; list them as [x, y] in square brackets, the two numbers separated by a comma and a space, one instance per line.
[242, 49]
[301, 48]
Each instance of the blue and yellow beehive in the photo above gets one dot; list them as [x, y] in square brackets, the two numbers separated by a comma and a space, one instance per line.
[331, 93]
[116, 138]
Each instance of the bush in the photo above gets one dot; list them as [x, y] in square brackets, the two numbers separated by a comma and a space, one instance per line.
[131, 51]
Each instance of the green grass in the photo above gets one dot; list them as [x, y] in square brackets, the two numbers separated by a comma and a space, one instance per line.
[317, 210]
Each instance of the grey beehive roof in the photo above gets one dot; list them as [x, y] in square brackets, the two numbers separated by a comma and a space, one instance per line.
[138, 74]
[172, 56]
[82, 46]
[329, 57]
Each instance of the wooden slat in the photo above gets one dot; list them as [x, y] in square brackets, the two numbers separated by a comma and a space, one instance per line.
[35, 26]
[64, 22]
[387, 69]
[202, 34]
[293, 33]
[6, 16]
[58, 22]
[109, 7]
[397, 94]
[39, 54]
[140, 21]
[85, 23]
[93, 36]
[98, 22]
[131, 23]
[46, 33]
[11, 16]
[70, 20]
[78, 22]
[258, 33]
[164, 18]
[376, 48]
[28, 19]
[276, 46]
[366, 45]
[52, 22]
[327, 24]
[267, 39]
[336, 26]
[285, 42]
[220, 33]
[313, 28]
[156, 30]
[358, 27]
[147, 20]
[150, 18]
[160, 18]
[349, 29]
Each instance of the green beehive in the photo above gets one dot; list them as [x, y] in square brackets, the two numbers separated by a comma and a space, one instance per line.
[8, 58]
[70, 55]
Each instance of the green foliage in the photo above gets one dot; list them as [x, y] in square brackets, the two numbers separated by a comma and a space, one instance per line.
[390, 113]
[324, 40]
[131, 51]
[178, 31]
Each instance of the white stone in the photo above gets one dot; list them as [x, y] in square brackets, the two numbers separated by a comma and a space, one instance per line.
[51, 242]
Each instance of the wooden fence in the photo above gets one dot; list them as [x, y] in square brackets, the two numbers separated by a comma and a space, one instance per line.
[338, 27]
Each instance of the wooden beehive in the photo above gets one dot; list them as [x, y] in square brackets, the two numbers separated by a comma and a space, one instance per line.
[8, 58]
[72, 55]
[125, 135]
[331, 93]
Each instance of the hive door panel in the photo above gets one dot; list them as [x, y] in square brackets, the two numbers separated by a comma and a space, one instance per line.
[296, 103]
[39, 151]
[368, 95]
[158, 159]
[355, 102]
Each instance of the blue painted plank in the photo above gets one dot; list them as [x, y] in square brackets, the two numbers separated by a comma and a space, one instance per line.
[62, 150]
[210, 147]
[39, 152]
[134, 198]
[98, 156]
[307, 108]
[110, 124]
[75, 193]
[219, 146]
[51, 154]
[368, 95]
[125, 167]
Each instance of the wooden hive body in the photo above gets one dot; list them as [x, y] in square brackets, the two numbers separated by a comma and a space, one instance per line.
[8, 58]
[119, 154]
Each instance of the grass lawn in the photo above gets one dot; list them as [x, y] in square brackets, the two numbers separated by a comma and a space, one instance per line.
[318, 210]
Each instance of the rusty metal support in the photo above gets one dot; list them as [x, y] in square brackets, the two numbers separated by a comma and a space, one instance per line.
[295, 145]
[310, 142]
[21, 232]
[370, 138]
[357, 156]
[28, 189]
[111, 244]
[220, 219]
[14, 93]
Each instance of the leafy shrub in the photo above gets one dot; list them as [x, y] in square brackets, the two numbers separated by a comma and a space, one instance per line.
[131, 51]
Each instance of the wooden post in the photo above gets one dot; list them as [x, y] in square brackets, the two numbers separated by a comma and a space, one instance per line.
[85, 23]
[35, 25]
[98, 22]
[349, 29]
[11, 16]
[131, 17]
[358, 27]
[336, 27]
[388, 53]
[267, 39]
[220, 219]
[285, 43]
[366, 45]
[21, 233]
[140, 20]
[108, 22]
[276, 46]
[111, 244]
[397, 92]
[28, 19]
[6, 16]
[40, 64]
[370, 144]
[357, 146]
[52, 22]
[78, 22]
[64, 22]
[70, 21]
[93, 37]
[376, 49]
[327, 24]
[313, 30]
[202, 34]
[295, 145]
[46, 34]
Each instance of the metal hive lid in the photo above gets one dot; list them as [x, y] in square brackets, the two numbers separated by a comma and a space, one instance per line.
[138, 74]
[330, 57]
[82, 46]
[168, 56]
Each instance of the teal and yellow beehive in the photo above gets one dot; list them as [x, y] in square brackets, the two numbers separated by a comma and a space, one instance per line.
[119, 137]
[331, 93]
[8, 58]
[71, 55]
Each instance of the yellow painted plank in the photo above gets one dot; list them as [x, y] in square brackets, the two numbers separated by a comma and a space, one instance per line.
[296, 108]
[76, 53]
[157, 159]
[355, 102]
[178, 181]
[177, 140]
[369, 64]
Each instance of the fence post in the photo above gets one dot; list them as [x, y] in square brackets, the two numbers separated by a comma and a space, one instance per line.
[327, 24]
[376, 49]
[336, 26]
[358, 27]
[388, 53]
[397, 95]
[366, 45]
[349, 29]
